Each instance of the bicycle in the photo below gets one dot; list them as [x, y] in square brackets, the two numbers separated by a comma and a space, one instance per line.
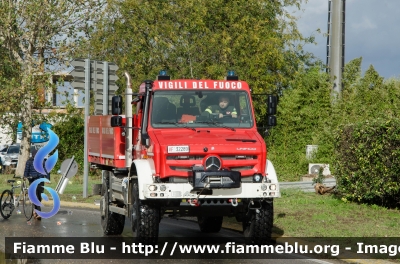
[8, 202]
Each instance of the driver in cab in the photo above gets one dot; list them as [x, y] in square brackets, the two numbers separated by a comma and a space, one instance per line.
[223, 108]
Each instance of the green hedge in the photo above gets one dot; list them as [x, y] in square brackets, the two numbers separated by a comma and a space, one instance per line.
[307, 116]
[70, 131]
[304, 116]
[367, 162]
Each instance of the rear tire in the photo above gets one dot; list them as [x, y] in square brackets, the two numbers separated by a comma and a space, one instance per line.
[258, 223]
[112, 223]
[210, 224]
[6, 204]
[145, 218]
[27, 205]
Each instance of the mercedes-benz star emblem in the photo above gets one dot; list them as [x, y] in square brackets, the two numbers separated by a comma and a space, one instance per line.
[213, 163]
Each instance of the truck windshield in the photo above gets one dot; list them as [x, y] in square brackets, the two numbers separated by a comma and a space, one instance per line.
[194, 109]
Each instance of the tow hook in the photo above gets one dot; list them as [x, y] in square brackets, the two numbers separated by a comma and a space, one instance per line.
[253, 205]
[193, 202]
[234, 202]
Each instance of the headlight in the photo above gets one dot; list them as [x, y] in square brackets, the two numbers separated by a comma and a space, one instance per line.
[257, 178]
[152, 188]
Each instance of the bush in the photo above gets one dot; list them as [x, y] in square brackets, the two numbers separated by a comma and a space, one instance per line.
[306, 115]
[367, 161]
[71, 134]
[303, 118]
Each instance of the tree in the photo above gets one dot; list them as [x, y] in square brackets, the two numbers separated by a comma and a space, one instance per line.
[304, 115]
[202, 39]
[38, 36]
[9, 77]
[70, 129]
[352, 73]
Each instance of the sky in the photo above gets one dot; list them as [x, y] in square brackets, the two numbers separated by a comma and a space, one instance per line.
[372, 32]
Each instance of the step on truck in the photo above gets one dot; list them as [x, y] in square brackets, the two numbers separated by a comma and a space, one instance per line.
[190, 149]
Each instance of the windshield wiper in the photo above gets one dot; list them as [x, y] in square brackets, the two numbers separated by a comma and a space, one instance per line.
[177, 124]
[218, 124]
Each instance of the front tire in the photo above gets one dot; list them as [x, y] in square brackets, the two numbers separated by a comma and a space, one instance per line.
[210, 224]
[258, 223]
[145, 218]
[112, 223]
[6, 204]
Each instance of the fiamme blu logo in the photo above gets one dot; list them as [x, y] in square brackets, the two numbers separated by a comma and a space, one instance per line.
[44, 167]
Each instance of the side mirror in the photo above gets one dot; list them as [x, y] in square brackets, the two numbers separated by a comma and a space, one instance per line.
[116, 105]
[271, 121]
[145, 140]
[116, 121]
[272, 104]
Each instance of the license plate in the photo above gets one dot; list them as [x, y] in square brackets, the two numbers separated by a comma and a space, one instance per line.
[178, 149]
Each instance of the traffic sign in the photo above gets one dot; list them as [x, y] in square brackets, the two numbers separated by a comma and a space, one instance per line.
[108, 73]
[78, 74]
[69, 169]
[102, 77]
[98, 108]
[97, 75]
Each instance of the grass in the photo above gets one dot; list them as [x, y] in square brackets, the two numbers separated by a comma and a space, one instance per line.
[300, 214]
[296, 214]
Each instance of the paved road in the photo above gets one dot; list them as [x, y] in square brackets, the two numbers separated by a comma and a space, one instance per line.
[75, 222]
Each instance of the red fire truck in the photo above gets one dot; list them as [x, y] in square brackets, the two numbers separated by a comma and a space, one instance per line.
[183, 153]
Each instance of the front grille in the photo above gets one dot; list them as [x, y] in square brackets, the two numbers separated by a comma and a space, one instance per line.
[197, 159]
[238, 157]
[223, 157]
[185, 157]
[241, 168]
[178, 168]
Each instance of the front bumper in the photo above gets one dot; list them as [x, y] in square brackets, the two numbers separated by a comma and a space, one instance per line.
[10, 163]
[186, 191]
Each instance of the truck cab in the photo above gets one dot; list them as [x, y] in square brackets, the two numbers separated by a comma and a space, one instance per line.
[191, 149]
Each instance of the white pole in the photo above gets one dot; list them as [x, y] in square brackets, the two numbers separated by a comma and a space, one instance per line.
[87, 112]
[336, 48]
